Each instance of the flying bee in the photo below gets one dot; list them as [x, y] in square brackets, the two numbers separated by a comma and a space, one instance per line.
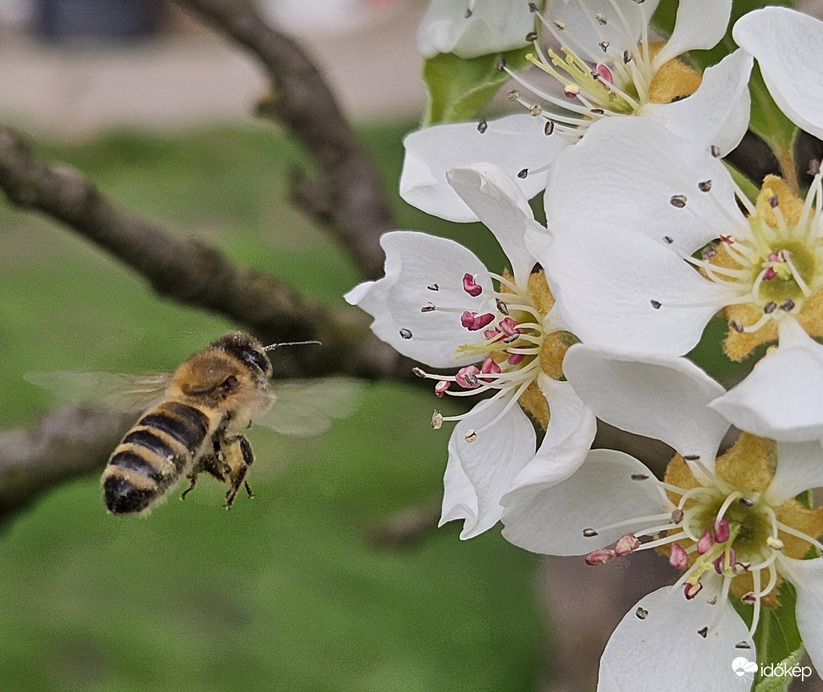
[193, 420]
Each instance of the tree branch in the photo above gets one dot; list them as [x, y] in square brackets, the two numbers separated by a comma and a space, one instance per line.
[193, 273]
[348, 197]
[66, 444]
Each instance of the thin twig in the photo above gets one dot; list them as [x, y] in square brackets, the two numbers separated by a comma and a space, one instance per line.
[348, 195]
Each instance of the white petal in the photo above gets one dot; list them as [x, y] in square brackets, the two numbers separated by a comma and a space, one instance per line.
[619, 288]
[415, 261]
[627, 171]
[490, 463]
[699, 24]
[657, 396]
[492, 26]
[663, 650]
[781, 396]
[567, 441]
[459, 496]
[584, 33]
[601, 492]
[787, 44]
[501, 206]
[718, 112]
[807, 578]
[515, 142]
[799, 468]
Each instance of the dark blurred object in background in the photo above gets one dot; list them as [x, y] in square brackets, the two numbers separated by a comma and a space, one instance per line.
[73, 20]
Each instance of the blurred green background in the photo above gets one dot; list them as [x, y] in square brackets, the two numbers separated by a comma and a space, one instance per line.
[290, 591]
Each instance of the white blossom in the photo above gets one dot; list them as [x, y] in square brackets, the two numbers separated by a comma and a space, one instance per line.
[608, 68]
[630, 212]
[729, 523]
[440, 306]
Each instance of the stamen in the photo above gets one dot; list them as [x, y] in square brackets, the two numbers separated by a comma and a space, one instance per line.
[678, 558]
[626, 544]
[470, 286]
[441, 387]
[599, 557]
[799, 534]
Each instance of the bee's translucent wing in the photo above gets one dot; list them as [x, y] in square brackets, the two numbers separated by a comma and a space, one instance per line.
[308, 407]
[121, 391]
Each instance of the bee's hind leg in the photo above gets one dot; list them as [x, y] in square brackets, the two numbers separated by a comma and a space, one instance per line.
[241, 457]
[192, 482]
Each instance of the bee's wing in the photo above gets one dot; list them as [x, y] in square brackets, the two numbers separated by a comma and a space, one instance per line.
[121, 391]
[308, 407]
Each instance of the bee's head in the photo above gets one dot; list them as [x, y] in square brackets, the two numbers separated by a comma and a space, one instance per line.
[248, 350]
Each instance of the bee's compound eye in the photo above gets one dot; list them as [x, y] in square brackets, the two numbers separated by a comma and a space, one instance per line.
[229, 384]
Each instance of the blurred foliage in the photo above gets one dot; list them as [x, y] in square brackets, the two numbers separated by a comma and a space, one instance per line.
[289, 591]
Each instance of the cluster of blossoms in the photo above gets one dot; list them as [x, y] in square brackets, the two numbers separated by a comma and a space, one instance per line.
[648, 237]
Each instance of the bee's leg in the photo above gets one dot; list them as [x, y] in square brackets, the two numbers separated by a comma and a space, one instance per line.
[214, 464]
[192, 476]
[192, 482]
[240, 458]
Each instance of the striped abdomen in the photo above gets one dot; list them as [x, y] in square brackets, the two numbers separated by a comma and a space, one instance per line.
[153, 455]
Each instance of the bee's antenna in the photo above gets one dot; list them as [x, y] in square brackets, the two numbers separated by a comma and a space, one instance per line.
[271, 347]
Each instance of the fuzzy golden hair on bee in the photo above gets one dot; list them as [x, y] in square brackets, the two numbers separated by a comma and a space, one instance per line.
[193, 421]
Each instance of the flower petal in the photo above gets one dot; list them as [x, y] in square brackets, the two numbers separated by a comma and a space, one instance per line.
[807, 578]
[619, 288]
[501, 206]
[699, 24]
[787, 44]
[799, 468]
[663, 651]
[661, 397]
[489, 464]
[415, 261]
[490, 27]
[717, 114]
[551, 519]
[567, 441]
[589, 24]
[634, 173]
[515, 143]
[781, 398]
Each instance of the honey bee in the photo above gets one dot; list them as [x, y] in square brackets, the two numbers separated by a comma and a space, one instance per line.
[193, 420]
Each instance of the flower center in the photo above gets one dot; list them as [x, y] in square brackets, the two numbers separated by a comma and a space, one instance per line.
[786, 272]
[508, 340]
[774, 264]
[748, 525]
[722, 526]
[620, 84]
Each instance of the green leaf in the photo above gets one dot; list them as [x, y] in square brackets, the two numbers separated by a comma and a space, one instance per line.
[458, 87]
[780, 683]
